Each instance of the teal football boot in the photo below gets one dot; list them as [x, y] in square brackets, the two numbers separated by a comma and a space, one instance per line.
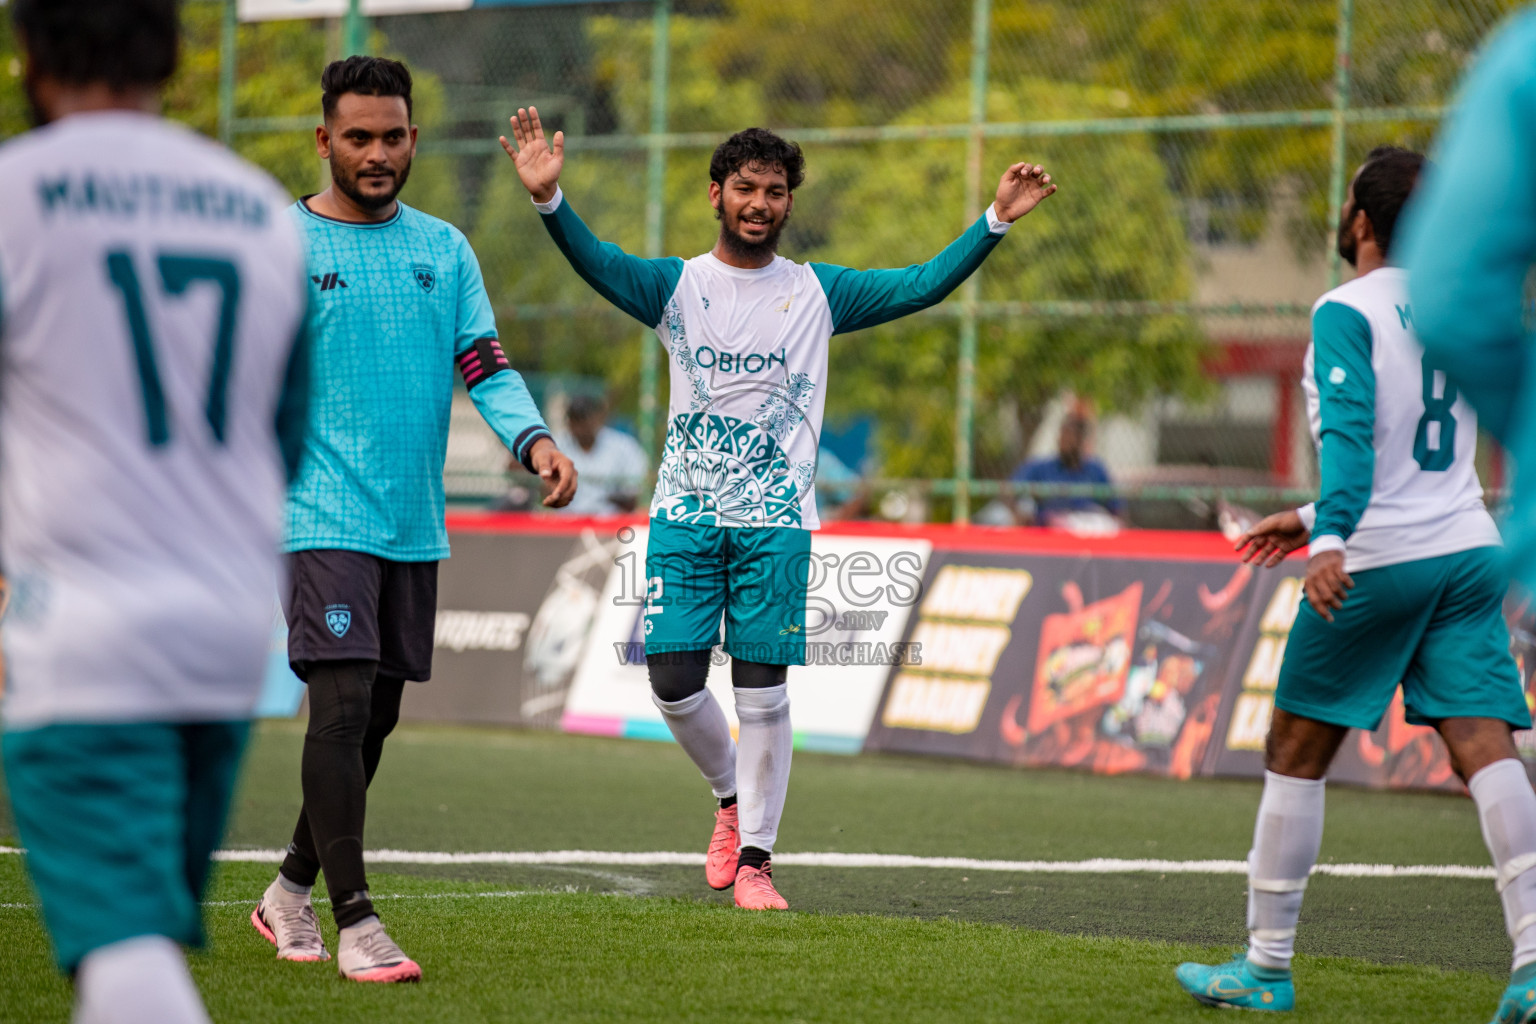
[1519, 1003]
[1238, 984]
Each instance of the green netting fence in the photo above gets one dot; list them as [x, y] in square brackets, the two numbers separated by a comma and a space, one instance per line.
[1203, 148]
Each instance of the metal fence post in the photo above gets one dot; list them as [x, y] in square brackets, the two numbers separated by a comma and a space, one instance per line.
[228, 55]
[354, 30]
[970, 292]
[655, 205]
[1336, 182]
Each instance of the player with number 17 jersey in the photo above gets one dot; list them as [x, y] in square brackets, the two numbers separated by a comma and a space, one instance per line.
[154, 367]
[152, 290]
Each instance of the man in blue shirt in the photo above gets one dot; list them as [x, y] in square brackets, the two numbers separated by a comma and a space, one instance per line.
[397, 302]
[1071, 465]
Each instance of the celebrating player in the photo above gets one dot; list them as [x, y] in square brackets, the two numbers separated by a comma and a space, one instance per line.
[399, 301]
[155, 377]
[1404, 585]
[747, 333]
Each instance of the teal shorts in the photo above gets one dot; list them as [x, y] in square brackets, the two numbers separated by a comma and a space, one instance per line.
[755, 576]
[119, 823]
[1434, 626]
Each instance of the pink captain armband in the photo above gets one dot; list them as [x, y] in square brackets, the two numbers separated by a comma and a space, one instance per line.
[483, 359]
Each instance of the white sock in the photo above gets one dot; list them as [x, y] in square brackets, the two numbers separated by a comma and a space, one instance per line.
[699, 726]
[143, 980]
[1286, 838]
[1506, 806]
[763, 755]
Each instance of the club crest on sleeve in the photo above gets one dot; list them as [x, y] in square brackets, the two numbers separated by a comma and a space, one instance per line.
[425, 276]
[338, 618]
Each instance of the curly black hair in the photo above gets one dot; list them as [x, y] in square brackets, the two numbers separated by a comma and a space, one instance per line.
[366, 76]
[1383, 186]
[122, 43]
[761, 147]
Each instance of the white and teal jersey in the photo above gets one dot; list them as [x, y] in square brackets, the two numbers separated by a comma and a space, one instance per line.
[152, 385]
[748, 358]
[1396, 444]
[399, 305]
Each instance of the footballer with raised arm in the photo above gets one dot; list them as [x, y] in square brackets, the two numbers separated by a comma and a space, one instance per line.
[747, 332]
[399, 304]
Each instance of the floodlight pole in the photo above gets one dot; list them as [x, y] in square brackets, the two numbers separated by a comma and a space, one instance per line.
[354, 29]
[970, 292]
[655, 205]
[1338, 170]
[227, 58]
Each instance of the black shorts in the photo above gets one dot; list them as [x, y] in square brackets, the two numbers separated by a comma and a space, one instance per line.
[346, 605]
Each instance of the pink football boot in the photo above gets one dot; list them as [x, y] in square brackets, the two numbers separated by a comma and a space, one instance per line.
[720, 862]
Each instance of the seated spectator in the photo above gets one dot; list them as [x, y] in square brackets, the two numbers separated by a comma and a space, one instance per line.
[1071, 465]
[610, 464]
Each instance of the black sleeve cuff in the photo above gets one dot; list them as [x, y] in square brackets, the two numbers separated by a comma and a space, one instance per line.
[524, 444]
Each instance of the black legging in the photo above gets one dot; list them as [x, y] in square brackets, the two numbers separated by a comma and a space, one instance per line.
[351, 711]
[676, 675]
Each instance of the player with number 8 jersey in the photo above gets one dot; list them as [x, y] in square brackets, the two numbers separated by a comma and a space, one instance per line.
[1405, 586]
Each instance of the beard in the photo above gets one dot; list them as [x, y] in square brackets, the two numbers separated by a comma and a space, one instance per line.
[733, 243]
[1348, 249]
[346, 182]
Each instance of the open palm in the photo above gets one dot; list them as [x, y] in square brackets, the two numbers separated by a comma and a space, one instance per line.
[1024, 186]
[538, 162]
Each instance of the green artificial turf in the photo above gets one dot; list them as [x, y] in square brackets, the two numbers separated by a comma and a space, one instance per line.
[600, 942]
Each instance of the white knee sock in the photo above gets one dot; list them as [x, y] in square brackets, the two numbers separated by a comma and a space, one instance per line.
[763, 756]
[699, 726]
[1506, 806]
[143, 980]
[1286, 838]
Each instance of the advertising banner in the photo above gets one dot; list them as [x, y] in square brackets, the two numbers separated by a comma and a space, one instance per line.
[1128, 654]
[860, 592]
[1395, 755]
[1116, 665]
[514, 610]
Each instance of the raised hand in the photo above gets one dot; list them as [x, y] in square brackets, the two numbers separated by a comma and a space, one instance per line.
[1268, 541]
[1023, 188]
[538, 163]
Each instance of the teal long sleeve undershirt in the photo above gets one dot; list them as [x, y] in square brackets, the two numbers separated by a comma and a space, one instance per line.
[866, 298]
[1469, 236]
[858, 298]
[640, 287]
[1346, 390]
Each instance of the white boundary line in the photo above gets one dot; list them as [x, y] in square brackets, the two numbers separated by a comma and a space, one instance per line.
[1095, 866]
[375, 897]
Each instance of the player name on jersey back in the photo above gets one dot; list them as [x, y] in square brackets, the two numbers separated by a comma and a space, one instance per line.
[150, 297]
[150, 196]
[1425, 498]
